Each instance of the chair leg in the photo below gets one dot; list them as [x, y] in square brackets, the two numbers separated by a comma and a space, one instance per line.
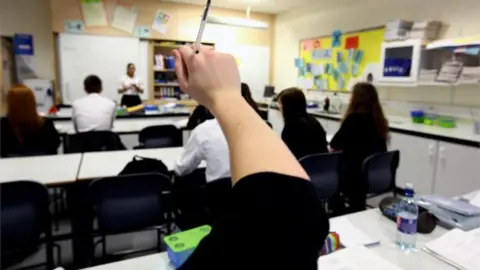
[159, 239]
[49, 253]
[104, 246]
[56, 210]
[59, 254]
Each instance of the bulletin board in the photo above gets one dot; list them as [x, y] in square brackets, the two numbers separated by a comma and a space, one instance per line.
[337, 61]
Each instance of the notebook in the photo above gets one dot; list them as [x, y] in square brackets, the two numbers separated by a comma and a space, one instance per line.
[458, 248]
[349, 234]
[355, 258]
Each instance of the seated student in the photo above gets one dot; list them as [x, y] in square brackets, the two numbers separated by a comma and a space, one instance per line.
[302, 133]
[23, 131]
[363, 132]
[198, 116]
[273, 199]
[93, 112]
[247, 95]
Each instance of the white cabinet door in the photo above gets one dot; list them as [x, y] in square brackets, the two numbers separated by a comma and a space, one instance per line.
[417, 161]
[458, 169]
[276, 119]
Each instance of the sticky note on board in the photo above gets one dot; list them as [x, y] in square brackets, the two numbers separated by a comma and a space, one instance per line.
[351, 42]
[355, 69]
[328, 68]
[322, 54]
[308, 45]
[299, 63]
[336, 38]
[308, 67]
[301, 71]
[317, 44]
[336, 74]
[341, 83]
[317, 69]
[339, 57]
[351, 54]
[343, 67]
[358, 56]
[323, 84]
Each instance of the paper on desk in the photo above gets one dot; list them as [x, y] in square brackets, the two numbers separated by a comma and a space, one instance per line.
[349, 234]
[355, 258]
[458, 248]
[475, 200]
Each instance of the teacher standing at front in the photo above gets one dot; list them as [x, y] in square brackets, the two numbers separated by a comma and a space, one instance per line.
[130, 87]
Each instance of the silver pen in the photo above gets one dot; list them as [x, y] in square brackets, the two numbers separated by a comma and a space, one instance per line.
[202, 27]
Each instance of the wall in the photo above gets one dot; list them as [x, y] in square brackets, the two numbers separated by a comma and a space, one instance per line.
[461, 19]
[33, 17]
[183, 25]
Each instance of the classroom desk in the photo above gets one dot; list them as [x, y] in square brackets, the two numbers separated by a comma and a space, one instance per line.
[157, 261]
[105, 164]
[374, 224]
[48, 170]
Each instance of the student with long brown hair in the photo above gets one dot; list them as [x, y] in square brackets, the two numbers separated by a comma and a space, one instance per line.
[363, 132]
[23, 131]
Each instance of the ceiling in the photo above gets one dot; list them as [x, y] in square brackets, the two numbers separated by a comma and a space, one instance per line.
[267, 6]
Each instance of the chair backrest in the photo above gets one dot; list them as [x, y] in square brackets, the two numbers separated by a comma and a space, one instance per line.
[130, 202]
[324, 172]
[379, 171]
[160, 136]
[93, 141]
[25, 215]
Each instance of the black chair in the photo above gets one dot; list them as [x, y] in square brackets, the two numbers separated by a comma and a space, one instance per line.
[25, 222]
[379, 171]
[324, 173]
[93, 141]
[131, 203]
[160, 137]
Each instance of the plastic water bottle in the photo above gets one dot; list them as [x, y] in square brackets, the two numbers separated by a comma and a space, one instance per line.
[407, 220]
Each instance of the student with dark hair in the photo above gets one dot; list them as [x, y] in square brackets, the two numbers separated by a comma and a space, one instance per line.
[93, 112]
[363, 132]
[23, 131]
[198, 116]
[247, 95]
[130, 87]
[302, 133]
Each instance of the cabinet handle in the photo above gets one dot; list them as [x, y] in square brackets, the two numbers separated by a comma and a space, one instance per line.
[442, 152]
[431, 150]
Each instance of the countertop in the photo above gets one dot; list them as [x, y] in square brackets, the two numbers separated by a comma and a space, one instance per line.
[462, 134]
[66, 115]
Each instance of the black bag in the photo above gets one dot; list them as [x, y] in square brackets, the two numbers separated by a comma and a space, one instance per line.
[145, 165]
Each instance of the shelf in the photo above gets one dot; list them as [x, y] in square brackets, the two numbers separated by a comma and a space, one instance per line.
[167, 84]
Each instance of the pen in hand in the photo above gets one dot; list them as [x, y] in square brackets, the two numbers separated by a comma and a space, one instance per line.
[196, 46]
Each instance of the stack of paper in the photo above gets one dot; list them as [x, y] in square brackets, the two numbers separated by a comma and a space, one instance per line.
[349, 234]
[355, 258]
[458, 248]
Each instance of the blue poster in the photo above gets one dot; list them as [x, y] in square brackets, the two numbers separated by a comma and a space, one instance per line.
[24, 56]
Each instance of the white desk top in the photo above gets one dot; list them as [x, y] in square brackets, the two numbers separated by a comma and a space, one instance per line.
[48, 170]
[157, 261]
[106, 164]
[374, 224]
[461, 132]
[132, 125]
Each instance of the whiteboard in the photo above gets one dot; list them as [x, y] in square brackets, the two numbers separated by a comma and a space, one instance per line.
[104, 56]
[253, 64]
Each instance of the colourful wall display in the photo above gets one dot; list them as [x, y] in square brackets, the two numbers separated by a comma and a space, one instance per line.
[338, 61]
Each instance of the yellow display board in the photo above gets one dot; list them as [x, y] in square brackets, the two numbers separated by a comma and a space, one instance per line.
[338, 61]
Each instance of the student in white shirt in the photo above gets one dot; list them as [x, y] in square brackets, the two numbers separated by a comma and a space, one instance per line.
[93, 112]
[207, 142]
[130, 87]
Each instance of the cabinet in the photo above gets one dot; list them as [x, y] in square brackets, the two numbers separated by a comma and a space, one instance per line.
[417, 161]
[457, 170]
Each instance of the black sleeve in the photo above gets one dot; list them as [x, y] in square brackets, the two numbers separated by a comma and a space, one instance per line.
[51, 137]
[289, 137]
[342, 136]
[5, 138]
[276, 223]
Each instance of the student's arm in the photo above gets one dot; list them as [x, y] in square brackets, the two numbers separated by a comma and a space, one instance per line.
[122, 87]
[191, 156]
[343, 134]
[139, 86]
[213, 79]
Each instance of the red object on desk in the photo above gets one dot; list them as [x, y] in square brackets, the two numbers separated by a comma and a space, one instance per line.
[351, 42]
[52, 110]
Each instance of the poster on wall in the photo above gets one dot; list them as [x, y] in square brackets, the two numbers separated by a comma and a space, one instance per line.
[160, 22]
[93, 12]
[124, 17]
[73, 26]
[24, 56]
[340, 60]
[143, 31]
